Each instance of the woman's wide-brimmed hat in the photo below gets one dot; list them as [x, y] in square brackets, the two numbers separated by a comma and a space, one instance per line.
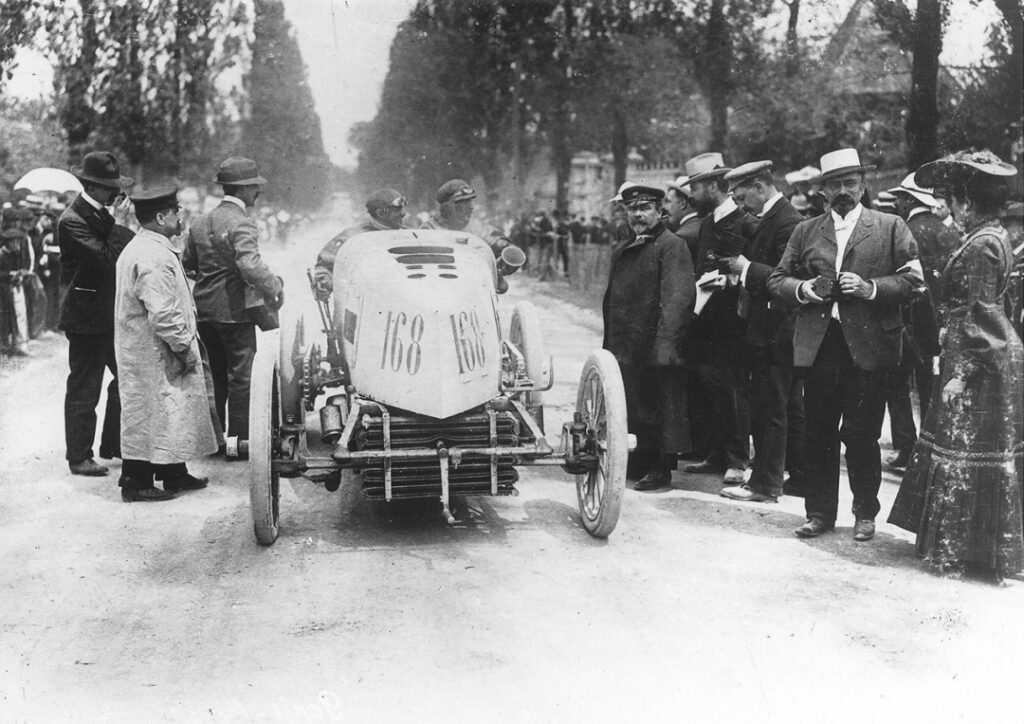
[100, 167]
[962, 166]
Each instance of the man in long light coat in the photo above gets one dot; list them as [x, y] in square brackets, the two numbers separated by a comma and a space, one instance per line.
[165, 413]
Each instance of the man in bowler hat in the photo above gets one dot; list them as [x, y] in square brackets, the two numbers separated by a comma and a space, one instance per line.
[90, 239]
[223, 256]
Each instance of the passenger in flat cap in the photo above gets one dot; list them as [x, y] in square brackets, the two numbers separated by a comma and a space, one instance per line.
[455, 200]
[645, 320]
[385, 209]
[775, 390]
[166, 417]
[223, 256]
[717, 338]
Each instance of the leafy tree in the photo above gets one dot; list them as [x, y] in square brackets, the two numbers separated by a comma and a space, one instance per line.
[282, 128]
[18, 23]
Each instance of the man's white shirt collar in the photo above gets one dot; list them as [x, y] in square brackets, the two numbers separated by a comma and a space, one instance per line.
[91, 201]
[851, 218]
[769, 204]
[724, 209]
[235, 200]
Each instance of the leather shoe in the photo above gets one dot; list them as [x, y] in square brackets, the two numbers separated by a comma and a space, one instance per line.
[704, 466]
[185, 482]
[748, 495]
[734, 476]
[654, 480]
[87, 467]
[813, 528]
[863, 529]
[899, 459]
[144, 495]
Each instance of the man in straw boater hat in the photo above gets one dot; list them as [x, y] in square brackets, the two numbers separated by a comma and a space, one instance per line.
[716, 342]
[773, 386]
[645, 320]
[90, 239]
[223, 256]
[165, 413]
[681, 215]
[849, 270]
[914, 205]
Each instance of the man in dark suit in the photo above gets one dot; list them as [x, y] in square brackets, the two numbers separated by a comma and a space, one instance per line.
[850, 270]
[716, 343]
[90, 240]
[647, 307]
[773, 386]
[223, 256]
[681, 215]
[921, 341]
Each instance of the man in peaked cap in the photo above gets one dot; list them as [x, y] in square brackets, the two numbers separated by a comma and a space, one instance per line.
[645, 321]
[717, 338]
[849, 270]
[165, 413]
[385, 209]
[774, 389]
[90, 239]
[935, 242]
[223, 256]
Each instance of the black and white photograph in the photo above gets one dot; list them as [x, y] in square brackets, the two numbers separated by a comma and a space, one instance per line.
[511, 361]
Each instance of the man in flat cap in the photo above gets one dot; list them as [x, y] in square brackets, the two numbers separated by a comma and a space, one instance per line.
[223, 256]
[716, 342]
[774, 389]
[455, 211]
[850, 270]
[165, 413]
[935, 243]
[385, 209]
[645, 319]
[90, 239]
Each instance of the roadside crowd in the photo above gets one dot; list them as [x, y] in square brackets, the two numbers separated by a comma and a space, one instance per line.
[735, 318]
[736, 315]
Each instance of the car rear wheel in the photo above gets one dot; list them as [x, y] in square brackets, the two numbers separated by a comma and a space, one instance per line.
[264, 426]
[601, 402]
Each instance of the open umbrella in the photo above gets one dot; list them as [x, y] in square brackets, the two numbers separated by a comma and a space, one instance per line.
[48, 179]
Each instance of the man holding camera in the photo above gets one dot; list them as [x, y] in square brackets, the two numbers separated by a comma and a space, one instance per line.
[850, 270]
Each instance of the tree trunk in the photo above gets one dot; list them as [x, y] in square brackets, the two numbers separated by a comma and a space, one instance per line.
[923, 119]
[1013, 17]
[76, 115]
[620, 142]
[718, 73]
[562, 155]
[793, 40]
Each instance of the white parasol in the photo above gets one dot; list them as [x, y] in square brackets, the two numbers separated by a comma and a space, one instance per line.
[48, 179]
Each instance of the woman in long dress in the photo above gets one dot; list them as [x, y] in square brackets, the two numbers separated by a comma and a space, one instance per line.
[962, 490]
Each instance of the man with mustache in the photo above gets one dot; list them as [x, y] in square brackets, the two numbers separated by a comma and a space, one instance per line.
[849, 270]
[716, 340]
[647, 307]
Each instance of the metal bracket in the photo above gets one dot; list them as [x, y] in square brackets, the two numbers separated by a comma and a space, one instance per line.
[386, 419]
[492, 418]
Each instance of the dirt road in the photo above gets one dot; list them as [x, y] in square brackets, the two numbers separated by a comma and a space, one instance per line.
[696, 609]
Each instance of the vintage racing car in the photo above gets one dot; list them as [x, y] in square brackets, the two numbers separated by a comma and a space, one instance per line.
[416, 392]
